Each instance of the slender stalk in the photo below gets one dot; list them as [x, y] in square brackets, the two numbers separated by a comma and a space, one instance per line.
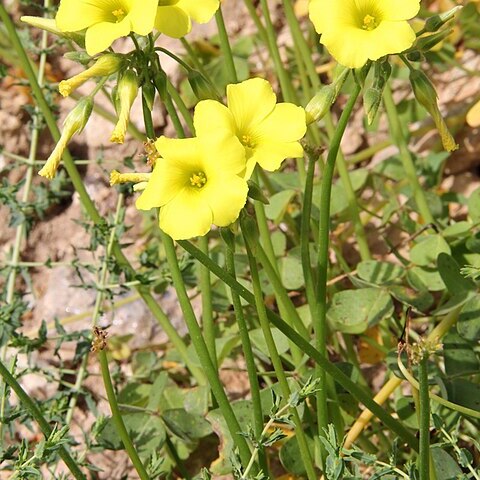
[277, 362]
[424, 400]
[249, 357]
[337, 374]
[207, 311]
[225, 46]
[398, 136]
[117, 418]
[202, 350]
[87, 202]
[320, 319]
[35, 412]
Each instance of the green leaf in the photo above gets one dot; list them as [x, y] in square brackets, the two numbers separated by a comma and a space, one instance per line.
[450, 272]
[135, 394]
[157, 390]
[290, 455]
[278, 205]
[291, 272]
[468, 324]
[460, 358]
[446, 467]
[426, 251]
[457, 230]
[279, 242]
[258, 341]
[186, 425]
[474, 205]
[146, 431]
[463, 392]
[421, 301]
[379, 273]
[425, 279]
[353, 311]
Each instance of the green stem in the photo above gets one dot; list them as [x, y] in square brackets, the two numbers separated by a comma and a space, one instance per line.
[117, 418]
[337, 374]
[225, 46]
[87, 202]
[405, 156]
[35, 412]
[249, 357]
[202, 350]
[187, 117]
[276, 360]
[207, 311]
[424, 400]
[320, 319]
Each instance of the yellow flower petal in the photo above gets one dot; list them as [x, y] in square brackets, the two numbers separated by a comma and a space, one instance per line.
[232, 190]
[286, 123]
[201, 11]
[172, 21]
[473, 116]
[394, 10]
[142, 16]
[223, 155]
[75, 15]
[250, 102]
[211, 118]
[271, 155]
[101, 35]
[186, 216]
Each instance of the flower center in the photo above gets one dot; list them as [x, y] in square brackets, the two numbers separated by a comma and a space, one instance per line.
[247, 141]
[166, 3]
[369, 22]
[198, 179]
[119, 14]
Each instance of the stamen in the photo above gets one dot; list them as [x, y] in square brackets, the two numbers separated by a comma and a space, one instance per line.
[119, 14]
[198, 180]
[369, 22]
[247, 141]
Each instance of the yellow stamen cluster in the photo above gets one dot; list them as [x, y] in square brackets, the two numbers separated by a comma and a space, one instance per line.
[369, 23]
[198, 179]
[119, 14]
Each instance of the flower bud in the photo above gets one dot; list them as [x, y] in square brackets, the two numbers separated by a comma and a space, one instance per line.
[255, 192]
[320, 104]
[250, 231]
[148, 92]
[103, 67]
[473, 115]
[435, 22]
[50, 25]
[127, 92]
[201, 86]
[372, 99]
[116, 178]
[425, 44]
[425, 93]
[74, 123]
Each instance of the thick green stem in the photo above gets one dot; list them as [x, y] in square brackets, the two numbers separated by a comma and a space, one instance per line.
[117, 418]
[357, 392]
[320, 319]
[35, 412]
[424, 400]
[87, 202]
[277, 362]
[207, 311]
[405, 156]
[225, 46]
[249, 357]
[202, 351]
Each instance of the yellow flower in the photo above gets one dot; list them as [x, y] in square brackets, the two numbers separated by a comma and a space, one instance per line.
[105, 66]
[355, 31]
[106, 20]
[196, 184]
[269, 132]
[174, 17]
[473, 115]
[74, 123]
[127, 93]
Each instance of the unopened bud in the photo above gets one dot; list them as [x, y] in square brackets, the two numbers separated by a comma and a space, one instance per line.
[50, 25]
[117, 178]
[201, 86]
[255, 192]
[435, 22]
[426, 95]
[106, 65]
[127, 92]
[372, 99]
[74, 123]
[320, 104]
[250, 231]
[425, 44]
[473, 115]
[148, 92]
